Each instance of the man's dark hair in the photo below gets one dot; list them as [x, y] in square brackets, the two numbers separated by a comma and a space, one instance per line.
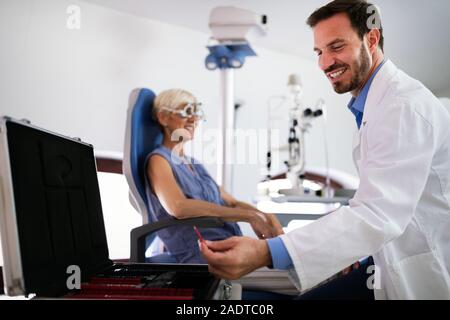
[360, 13]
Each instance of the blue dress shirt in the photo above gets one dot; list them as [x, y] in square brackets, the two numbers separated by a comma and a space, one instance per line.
[280, 256]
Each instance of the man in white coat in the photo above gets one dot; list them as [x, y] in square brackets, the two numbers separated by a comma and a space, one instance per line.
[400, 214]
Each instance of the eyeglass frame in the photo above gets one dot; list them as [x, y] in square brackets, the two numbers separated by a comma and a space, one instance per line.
[183, 114]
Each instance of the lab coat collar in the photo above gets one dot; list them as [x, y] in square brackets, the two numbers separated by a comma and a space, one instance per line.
[377, 90]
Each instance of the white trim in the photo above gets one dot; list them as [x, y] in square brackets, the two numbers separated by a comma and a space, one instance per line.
[298, 274]
[104, 154]
[12, 263]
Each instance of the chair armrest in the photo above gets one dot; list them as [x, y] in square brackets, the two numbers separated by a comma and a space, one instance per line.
[138, 235]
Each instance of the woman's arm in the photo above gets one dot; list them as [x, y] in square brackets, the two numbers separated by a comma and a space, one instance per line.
[269, 218]
[166, 188]
[230, 201]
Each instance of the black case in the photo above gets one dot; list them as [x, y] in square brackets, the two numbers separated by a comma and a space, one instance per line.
[51, 218]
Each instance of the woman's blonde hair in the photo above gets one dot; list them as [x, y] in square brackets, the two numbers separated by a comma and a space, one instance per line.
[172, 99]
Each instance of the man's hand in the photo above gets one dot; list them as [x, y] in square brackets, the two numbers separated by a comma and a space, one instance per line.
[235, 257]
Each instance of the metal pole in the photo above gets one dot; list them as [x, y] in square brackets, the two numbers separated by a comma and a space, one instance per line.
[225, 154]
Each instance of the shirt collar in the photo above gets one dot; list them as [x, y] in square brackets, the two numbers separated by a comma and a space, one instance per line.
[357, 104]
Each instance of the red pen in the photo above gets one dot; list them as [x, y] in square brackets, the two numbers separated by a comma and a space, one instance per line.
[199, 234]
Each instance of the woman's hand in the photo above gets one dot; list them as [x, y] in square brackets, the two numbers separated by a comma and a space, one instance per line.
[266, 226]
[275, 223]
[261, 226]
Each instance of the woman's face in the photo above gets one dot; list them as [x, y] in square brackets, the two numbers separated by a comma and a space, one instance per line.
[179, 122]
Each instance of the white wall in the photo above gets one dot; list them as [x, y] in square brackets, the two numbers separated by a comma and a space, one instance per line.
[445, 93]
[77, 82]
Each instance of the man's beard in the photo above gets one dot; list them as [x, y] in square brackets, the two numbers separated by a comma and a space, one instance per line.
[361, 68]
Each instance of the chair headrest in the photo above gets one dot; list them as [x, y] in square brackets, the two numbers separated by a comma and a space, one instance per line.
[143, 136]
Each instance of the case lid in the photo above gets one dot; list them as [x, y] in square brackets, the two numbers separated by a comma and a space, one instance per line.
[57, 209]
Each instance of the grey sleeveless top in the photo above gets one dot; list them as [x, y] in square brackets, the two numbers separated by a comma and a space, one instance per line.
[181, 241]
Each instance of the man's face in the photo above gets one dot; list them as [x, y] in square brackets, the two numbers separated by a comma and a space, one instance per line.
[343, 57]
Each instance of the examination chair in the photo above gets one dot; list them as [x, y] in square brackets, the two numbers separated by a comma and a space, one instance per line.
[142, 136]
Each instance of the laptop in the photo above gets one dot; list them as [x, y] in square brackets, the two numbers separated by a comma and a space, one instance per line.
[52, 230]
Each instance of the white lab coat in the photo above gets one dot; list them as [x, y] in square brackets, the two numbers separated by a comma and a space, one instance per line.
[401, 212]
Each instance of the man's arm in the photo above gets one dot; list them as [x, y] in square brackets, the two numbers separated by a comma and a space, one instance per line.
[279, 254]
[400, 146]
[380, 211]
[235, 257]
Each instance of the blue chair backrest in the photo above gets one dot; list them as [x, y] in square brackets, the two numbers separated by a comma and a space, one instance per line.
[142, 137]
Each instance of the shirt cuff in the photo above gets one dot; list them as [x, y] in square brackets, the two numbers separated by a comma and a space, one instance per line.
[280, 256]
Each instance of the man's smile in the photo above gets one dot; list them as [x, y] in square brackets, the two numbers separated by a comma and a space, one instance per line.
[336, 74]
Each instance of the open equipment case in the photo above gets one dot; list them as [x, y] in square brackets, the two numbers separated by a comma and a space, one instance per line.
[51, 220]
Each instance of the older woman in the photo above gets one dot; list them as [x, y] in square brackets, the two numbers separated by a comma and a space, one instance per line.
[181, 188]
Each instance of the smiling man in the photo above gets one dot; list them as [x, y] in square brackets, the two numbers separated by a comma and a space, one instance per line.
[400, 214]
[347, 60]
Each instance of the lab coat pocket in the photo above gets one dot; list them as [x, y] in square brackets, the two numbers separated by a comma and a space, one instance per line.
[420, 277]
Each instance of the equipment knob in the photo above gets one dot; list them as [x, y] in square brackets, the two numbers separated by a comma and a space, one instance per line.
[308, 112]
[318, 113]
